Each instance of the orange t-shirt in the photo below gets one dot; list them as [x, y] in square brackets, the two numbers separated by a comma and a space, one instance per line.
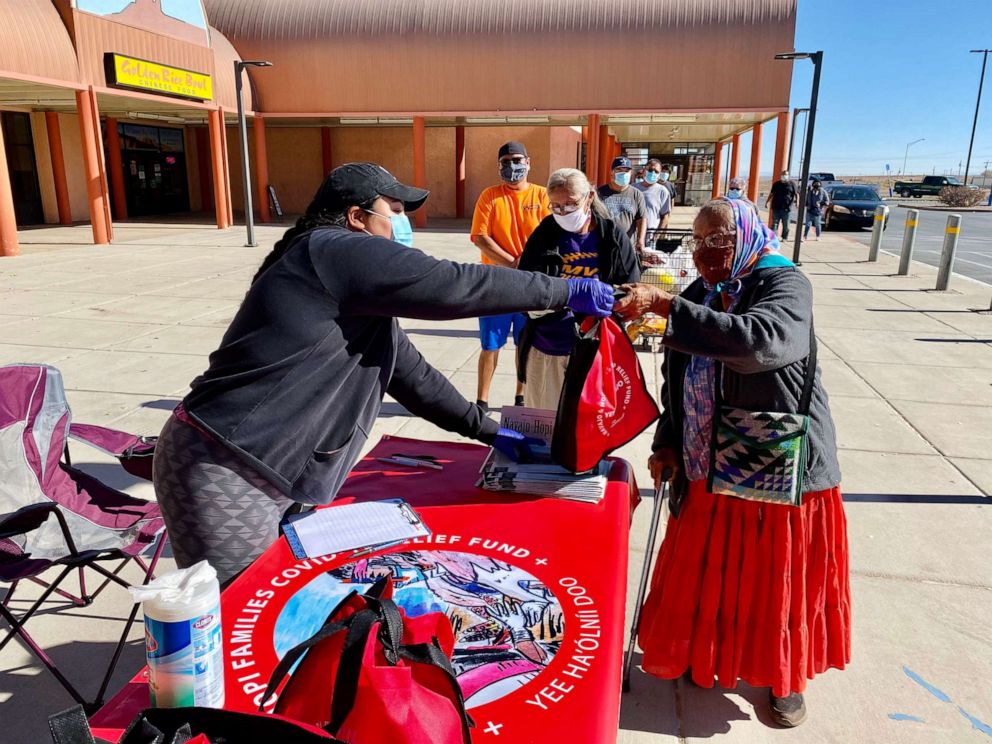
[509, 217]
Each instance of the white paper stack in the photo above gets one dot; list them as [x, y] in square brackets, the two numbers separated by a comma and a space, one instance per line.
[541, 477]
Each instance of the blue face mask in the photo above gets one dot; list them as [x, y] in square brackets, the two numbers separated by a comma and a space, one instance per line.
[621, 178]
[734, 194]
[651, 177]
[402, 230]
[664, 176]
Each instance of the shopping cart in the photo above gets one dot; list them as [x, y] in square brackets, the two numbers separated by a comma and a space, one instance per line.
[666, 264]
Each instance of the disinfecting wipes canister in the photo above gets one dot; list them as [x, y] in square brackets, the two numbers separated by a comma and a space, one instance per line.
[183, 640]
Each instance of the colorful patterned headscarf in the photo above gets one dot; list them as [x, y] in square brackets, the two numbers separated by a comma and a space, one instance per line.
[756, 244]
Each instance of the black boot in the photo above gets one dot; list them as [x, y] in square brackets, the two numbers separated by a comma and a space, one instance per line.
[484, 405]
[788, 711]
[518, 400]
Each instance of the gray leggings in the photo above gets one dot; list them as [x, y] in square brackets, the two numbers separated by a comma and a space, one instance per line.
[216, 507]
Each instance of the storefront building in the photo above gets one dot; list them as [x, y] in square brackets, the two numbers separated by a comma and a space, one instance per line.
[123, 109]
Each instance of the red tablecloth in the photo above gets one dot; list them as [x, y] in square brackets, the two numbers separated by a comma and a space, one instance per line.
[535, 589]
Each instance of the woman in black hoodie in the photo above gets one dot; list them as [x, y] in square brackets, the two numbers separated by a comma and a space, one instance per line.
[577, 240]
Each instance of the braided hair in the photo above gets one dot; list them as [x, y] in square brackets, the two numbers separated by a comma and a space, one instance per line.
[315, 216]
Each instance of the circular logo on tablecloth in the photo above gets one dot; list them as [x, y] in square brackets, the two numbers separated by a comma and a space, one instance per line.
[507, 624]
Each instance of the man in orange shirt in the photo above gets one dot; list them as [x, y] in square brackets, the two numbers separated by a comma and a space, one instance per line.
[504, 218]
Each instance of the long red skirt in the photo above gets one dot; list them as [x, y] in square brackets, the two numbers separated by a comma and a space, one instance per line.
[750, 591]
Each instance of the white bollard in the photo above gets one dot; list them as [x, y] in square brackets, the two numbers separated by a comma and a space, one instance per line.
[947, 253]
[881, 213]
[908, 241]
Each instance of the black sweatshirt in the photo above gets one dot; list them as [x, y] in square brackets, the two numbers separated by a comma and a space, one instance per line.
[300, 374]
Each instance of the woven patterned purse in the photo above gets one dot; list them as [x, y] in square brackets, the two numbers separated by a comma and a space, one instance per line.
[761, 456]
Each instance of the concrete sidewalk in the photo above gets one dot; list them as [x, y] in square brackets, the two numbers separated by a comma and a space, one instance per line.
[910, 378]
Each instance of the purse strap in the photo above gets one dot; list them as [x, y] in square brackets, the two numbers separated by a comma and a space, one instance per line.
[805, 399]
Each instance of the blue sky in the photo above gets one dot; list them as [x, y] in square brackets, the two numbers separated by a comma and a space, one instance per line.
[185, 10]
[893, 72]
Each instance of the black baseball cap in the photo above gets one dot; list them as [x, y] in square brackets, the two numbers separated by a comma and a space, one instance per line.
[357, 183]
[621, 162]
[512, 148]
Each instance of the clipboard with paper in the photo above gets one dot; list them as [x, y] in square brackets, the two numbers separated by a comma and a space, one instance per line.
[361, 527]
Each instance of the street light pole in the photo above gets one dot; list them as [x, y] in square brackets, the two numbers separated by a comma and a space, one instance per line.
[239, 67]
[817, 59]
[906, 156]
[792, 136]
[978, 103]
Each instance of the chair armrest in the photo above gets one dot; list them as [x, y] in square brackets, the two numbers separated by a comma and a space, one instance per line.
[30, 518]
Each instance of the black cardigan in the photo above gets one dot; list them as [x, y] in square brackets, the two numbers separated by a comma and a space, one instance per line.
[763, 345]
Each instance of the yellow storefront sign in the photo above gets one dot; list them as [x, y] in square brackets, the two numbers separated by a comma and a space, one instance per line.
[130, 72]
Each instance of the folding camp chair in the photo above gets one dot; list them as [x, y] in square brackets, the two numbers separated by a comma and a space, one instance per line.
[57, 519]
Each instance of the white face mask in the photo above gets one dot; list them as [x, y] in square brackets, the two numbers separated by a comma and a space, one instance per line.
[573, 221]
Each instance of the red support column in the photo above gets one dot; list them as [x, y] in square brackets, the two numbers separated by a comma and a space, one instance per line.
[217, 163]
[603, 170]
[261, 169]
[592, 149]
[735, 157]
[203, 165]
[9, 245]
[718, 171]
[91, 167]
[459, 172]
[753, 174]
[420, 165]
[325, 149]
[116, 167]
[228, 206]
[58, 167]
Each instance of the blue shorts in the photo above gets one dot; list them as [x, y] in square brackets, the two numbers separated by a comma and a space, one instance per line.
[495, 329]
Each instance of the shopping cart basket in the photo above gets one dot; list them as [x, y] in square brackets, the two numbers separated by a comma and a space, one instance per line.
[666, 264]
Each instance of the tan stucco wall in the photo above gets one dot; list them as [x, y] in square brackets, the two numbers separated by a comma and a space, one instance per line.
[294, 165]
[564, 147]
[72, 149]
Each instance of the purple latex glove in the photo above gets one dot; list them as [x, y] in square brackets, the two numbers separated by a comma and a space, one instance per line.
[590, 297]
[515, 445]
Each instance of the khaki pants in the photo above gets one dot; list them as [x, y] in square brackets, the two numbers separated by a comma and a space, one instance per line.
[545, 377]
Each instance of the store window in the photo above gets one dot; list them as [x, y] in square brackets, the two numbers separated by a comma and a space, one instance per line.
[154, 162]
[23, 168]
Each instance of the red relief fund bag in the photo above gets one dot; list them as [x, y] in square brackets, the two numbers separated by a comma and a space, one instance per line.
[373, 675]
[604, 402]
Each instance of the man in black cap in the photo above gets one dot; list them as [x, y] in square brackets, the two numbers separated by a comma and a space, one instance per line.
[626, 204]
[292, 392]
[505, 216]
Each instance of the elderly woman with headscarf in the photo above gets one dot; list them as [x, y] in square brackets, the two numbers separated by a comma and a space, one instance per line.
[744, 589]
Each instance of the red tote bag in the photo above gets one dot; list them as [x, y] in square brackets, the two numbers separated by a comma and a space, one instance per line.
[374, 675]
[604, 402]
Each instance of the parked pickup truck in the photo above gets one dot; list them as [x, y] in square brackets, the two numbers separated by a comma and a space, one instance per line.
[930, 186]
[826, 179]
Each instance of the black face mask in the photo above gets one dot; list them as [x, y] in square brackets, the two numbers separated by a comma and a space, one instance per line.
[513, 172]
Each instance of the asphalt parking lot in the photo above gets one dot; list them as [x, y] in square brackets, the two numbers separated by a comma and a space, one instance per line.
[974, 253]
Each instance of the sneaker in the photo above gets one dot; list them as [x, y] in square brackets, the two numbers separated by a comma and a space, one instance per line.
[518, 400]
[817, 238]
[483, 404]
[788, 711]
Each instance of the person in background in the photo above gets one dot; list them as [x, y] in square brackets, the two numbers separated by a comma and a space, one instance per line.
[579, 239]
[743, 589]
[505, 216]
[283, 411]
[781, 198]
[737, 188]
[816, 201]
[624, 202]
[657, 197]
[666, 180]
